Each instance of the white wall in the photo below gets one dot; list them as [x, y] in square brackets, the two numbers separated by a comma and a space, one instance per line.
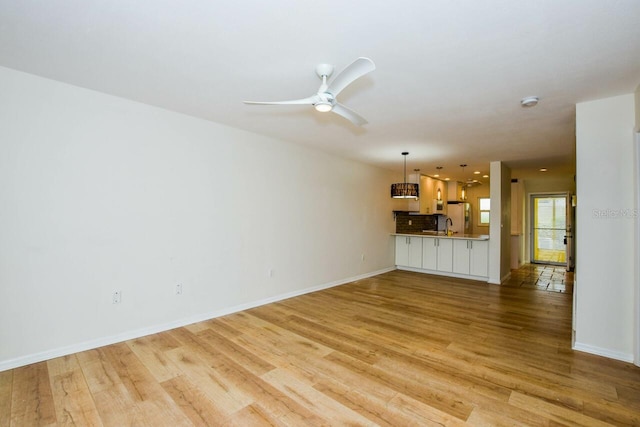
[605, 227]
[500, 223]
[99, 194]
[637, 245]
[637, 234]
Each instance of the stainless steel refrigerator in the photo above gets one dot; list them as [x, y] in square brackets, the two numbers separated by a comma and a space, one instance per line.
[460, 214]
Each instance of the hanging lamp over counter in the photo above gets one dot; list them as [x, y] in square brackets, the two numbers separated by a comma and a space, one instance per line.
[405, 190]
[463, 192]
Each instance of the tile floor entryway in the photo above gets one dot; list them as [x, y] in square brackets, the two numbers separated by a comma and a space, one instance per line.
[551, 278]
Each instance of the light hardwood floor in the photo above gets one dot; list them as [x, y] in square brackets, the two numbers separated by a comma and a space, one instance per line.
[397, 349]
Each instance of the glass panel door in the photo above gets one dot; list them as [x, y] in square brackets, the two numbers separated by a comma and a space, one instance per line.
[549, 226]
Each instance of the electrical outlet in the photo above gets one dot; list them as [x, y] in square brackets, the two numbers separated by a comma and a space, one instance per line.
[179, 289]
[270, 272]
[117, 297]
[410, 222]
[362, 257]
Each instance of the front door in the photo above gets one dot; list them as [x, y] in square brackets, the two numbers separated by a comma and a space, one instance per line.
[549, 228]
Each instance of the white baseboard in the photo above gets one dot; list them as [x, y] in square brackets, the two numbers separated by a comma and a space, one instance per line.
[129, 335]
[501, 281]
[617, 355]
[443, 273]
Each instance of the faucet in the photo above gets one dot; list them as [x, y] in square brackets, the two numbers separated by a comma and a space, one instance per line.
[448, 223]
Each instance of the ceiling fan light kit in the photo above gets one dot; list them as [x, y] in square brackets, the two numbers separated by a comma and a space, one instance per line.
[323, 107]
[324, 103]
[325, 99]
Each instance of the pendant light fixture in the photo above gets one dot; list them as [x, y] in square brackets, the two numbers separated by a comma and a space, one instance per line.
[405, 190]
[463, 193]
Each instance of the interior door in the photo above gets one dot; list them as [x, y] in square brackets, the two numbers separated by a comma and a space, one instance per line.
[549, 229]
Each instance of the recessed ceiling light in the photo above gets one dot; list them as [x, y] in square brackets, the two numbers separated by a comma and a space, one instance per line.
[543, 169]
[476, 172]
[447, 179]
[485, 176]
[529, 101]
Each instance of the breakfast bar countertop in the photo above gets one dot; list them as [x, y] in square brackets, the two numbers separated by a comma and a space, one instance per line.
[441, 235]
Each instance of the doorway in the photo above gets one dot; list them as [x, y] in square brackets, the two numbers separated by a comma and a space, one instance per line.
[549, 228]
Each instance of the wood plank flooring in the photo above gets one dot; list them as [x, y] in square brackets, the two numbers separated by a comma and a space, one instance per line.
[397, 349]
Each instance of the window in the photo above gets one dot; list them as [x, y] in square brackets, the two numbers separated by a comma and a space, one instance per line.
[484, 204]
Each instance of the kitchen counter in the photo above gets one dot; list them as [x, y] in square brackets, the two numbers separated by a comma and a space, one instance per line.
[460, 255]
[441, 235]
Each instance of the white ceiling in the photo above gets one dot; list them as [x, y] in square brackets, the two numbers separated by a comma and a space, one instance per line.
[447, 88]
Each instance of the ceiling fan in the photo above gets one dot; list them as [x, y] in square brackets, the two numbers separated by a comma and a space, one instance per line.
[325, 99]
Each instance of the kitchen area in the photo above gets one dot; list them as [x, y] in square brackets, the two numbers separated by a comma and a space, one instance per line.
[445, 231]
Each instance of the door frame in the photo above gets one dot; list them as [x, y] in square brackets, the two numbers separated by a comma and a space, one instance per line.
[569, 257]
[637, 249]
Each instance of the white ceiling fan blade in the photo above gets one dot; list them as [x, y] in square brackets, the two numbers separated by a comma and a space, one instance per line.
[305, 101]
[355, 70]
[349, 114]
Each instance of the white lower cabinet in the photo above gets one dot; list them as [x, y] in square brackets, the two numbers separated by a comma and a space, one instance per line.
[409, 251]
[429, 253]
[437, 254]
[479, 258]
[471, 257]
[461, 256]
[446, 255]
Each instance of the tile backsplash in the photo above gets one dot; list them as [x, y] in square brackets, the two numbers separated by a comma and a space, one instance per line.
[418, 222]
